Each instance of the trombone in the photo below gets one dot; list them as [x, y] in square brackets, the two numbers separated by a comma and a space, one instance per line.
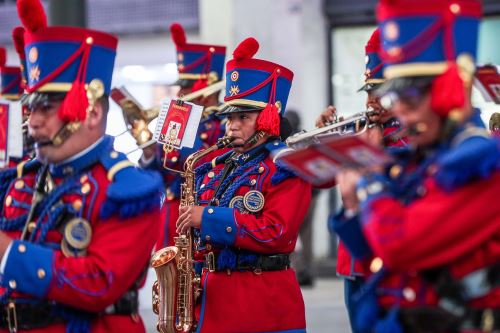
[353, 125]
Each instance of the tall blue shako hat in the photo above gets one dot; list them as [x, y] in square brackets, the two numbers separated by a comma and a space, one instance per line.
[199, 65]
[257, 85]
[436, 38]
[374, 74]
[75, 61]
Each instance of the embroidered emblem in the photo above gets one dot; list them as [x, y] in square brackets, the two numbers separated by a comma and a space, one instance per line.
[253, 201]
[33, 54]
[234, 76]
[77, 236]
[391, 31]
[234, 90]
[237, 202]
[35, 73]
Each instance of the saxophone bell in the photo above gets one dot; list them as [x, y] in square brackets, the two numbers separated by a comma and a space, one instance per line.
[177, 285]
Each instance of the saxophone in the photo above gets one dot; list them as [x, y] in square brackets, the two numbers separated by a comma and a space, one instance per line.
[177, 285]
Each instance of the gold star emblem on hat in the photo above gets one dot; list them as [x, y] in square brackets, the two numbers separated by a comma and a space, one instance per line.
[35, 73]
[234, 90]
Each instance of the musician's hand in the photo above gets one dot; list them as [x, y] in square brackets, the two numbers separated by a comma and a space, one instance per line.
[149, 151]
[347, 179]
[189, 216]
[326, 116]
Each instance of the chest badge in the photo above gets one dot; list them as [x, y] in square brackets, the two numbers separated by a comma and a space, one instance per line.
[77, 236]
[237, 202]
[253, 201]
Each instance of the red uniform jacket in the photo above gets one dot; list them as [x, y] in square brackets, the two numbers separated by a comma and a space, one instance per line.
[444, 219]
[247, 301]
[120, 204]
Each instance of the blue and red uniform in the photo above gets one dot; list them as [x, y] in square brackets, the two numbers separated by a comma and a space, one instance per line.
[250, 300]
[81, 289]
[254, 209]
[81, 228]
[427, 233]
[431, 215]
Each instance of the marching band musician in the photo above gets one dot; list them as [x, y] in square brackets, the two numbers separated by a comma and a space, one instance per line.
[77, 222]
[429, 242]
[251, 209]
[388, 130]
[200, 66]
[387, 135]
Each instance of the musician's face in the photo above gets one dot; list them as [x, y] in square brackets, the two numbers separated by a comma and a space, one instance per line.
[44, 124]
[241, 126]
[373, 102]
[423, 124]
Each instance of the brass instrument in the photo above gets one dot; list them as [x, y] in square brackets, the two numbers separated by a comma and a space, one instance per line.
[355, 124]
[136, 117]
[176, 288]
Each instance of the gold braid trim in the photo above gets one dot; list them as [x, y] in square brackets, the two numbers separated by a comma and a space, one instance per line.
[20, 168]
[117, 167]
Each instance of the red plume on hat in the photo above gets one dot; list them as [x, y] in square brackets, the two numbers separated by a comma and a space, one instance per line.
[178, 34]
[74, 105]
[373, 44]
[246, 49]
[18, 38]
[32, 14]
[3, 56]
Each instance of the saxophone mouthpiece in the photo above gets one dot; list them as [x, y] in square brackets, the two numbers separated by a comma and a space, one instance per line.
[225, 141]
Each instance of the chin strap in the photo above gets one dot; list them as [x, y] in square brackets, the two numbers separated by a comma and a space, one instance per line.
[62, 135]
[251, 141]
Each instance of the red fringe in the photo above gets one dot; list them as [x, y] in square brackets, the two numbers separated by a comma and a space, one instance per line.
[447, 91]
[269, 120]
[75, 104]
[32, 14]
[178, 34]
[246, 49]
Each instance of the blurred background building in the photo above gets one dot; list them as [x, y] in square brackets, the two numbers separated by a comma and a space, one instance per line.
[322, 41]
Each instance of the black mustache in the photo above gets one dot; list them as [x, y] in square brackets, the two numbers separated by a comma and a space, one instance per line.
[43, 143]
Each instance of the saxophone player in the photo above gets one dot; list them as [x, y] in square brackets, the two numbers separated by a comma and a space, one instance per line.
[250, 209]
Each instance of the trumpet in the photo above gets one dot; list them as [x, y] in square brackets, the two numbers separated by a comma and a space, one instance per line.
[353, 125]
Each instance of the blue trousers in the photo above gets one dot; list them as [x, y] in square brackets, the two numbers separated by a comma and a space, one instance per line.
[351, 286]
